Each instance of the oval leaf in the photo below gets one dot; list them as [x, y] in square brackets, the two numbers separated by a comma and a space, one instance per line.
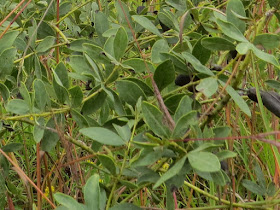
[154, 119]
[129, 91]
[204, 161]
[174, 170]
[236, 7]
[147, 24]
[217, 43]
[103, 136]
[237, 99]
[68, 201]
[268, 41]
[120, 43]
[17, 106]
[196, 64]
[231, 30]
[164, 74]
[91, 192]
[208, 86]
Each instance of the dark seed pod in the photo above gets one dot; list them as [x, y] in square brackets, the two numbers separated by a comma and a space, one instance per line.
[224, 165]
[270, 99]
[8, 127]
[233, 53]
[183, 79]
[164, 27]
[88, 85]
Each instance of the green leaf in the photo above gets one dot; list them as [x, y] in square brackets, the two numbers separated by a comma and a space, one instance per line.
[7, 62]
[253, 187]
[183, 124]
[62, 73]
[76, 96]
[125, 206]
[120, 43]
[46, 44]
[154, 119]
[7, 40]
[123, 13]
[96, 53]
[149, 177]
[109, 47]
[138, 65]
[236, 6]
[147, 24]
[217, 43]
[204, 146]
[101, 25]
[164, 74]
[79, 119]
[173, 101]
[50, 137]
[160, 46]
[260, 176]
[171, 172]
[196, 64]
[273, 84]
[208, 86]
[80, 65]
[40, 94]
[94, 103]
[268, 41]
[243, 47]
[38, 129]
[178, 62]
[146, 88]
[4, 91]
[37, 67]
[117, 104]
[12, 147]
[177, 4]
[108, 163]
[77, 45]
[200, 52]
[167, 20]
[17, 106]
[68, 202]
[221, 132]
[185, 106]
[264, 56]
[103, 136]
[220, 178]
[237, 99]
[60, 91]
[204, 161]
[231, 30]
[225, 154]
[129, 91]
[91, 192]
[25, 93]
[148, 157]
[123, 131]
[276, 5]
[61, 82]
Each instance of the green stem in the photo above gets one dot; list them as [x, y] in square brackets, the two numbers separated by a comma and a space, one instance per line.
[241, 205]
